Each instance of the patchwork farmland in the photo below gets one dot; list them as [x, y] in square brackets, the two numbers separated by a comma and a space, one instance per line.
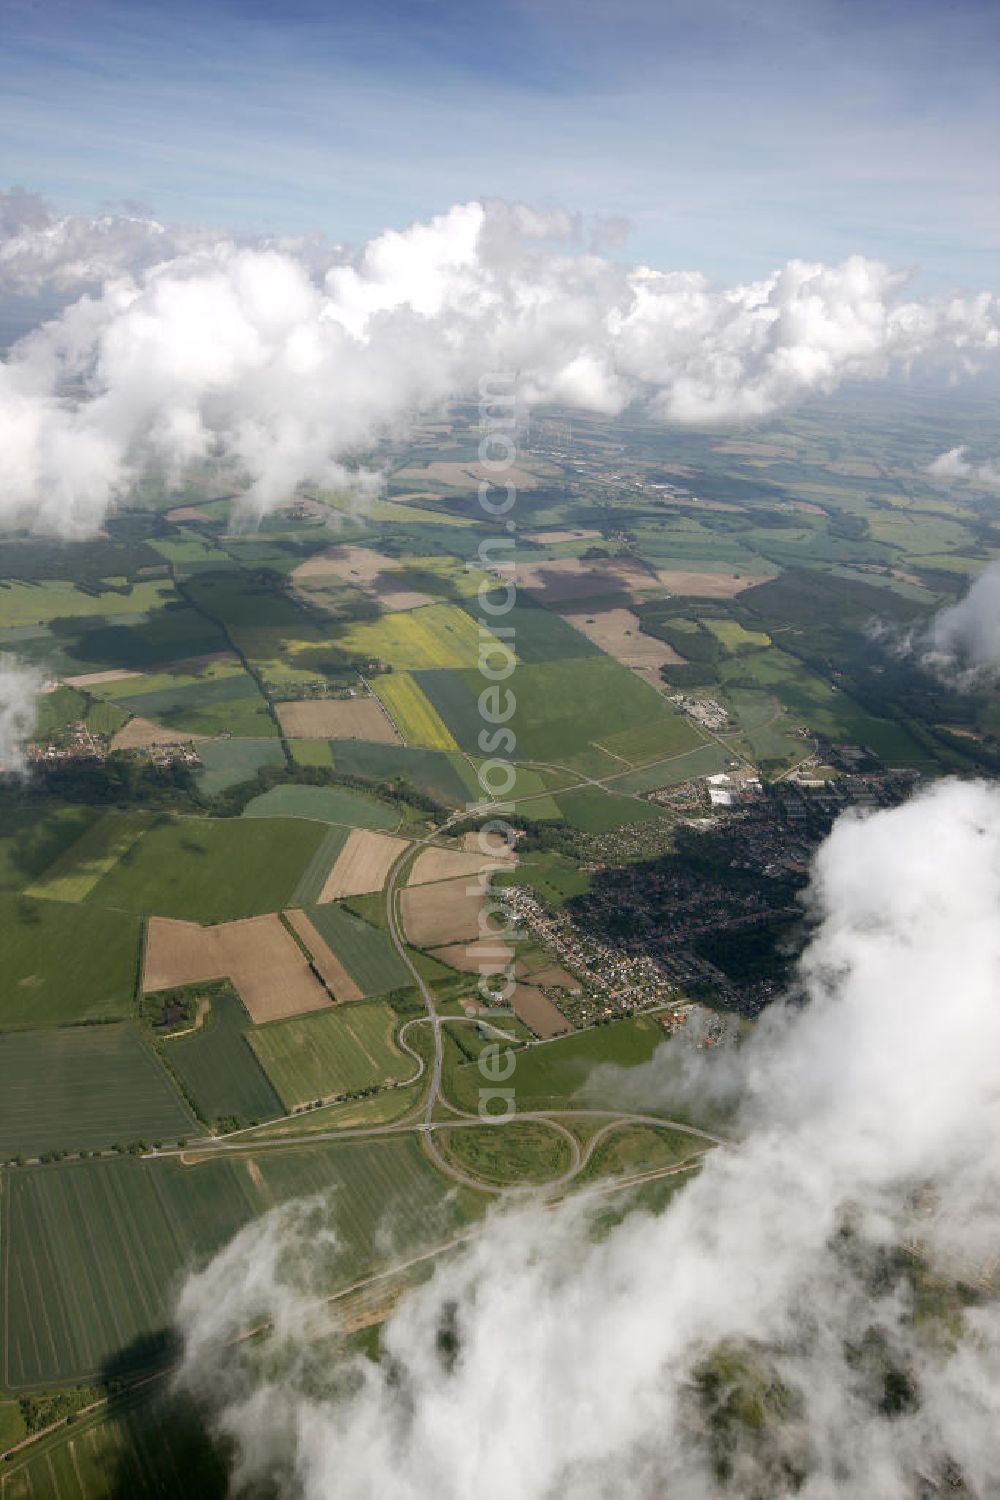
[327, 965]
[365, 952]
[258, 955]
[363, 865]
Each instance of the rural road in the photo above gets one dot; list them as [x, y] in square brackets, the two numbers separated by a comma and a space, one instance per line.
[425, 1125]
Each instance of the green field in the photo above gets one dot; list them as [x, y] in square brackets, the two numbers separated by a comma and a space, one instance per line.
[366, 953]
[97, 1249]
[440, 774]
[669, 734]
[76, 871]
[311, 752]
[322, 804]
[139, 642]
[219, 1071]
[525, 1151]
[597, 812]
[705, 760]
[54, 711]
[331, 1052]
[35, 603]
[226, 763]
[64, 962]
[206, 870]
[640, 1148]
[555, 1073]
[812, 701]
[539, 634]
[734, 637]
[33, 835]
[561, 707]
[83, 1087]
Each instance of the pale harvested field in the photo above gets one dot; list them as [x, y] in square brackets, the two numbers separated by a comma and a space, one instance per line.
[709, 585]
[437, 915]
[334, 975]
[537, 1011]
[568, 578]
[618, 632]
[486, 956]
[258, 955]
[363, 864]
[92, 679]
[450, 864]
[357, 565]
[143, 734]
[337, 719]
[394, 596]
[550, 538]
[187, 513]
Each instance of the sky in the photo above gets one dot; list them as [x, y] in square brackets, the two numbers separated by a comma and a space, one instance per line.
[727, 135]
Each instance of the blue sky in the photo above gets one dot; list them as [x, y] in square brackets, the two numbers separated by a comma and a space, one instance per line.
[730, 134]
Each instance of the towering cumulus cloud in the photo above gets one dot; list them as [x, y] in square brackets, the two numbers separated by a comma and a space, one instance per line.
[783, 1327]
[256, 355]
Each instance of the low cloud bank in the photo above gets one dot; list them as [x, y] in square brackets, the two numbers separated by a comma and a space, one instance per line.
[962, 642]
[784, 1327]
[955, 465]
[19, 689]
[286, 360]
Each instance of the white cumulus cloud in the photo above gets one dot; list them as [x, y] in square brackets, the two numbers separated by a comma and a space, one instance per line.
[578, 1366]
[955, 465]
[962, 641]
[288, 362]
[19, 689]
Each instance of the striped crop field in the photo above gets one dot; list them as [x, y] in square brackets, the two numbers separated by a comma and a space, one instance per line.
[83, 1087]
[146, 1445]
[331, 1053]
[96, 1250]
[412, 712]
[78, 869]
